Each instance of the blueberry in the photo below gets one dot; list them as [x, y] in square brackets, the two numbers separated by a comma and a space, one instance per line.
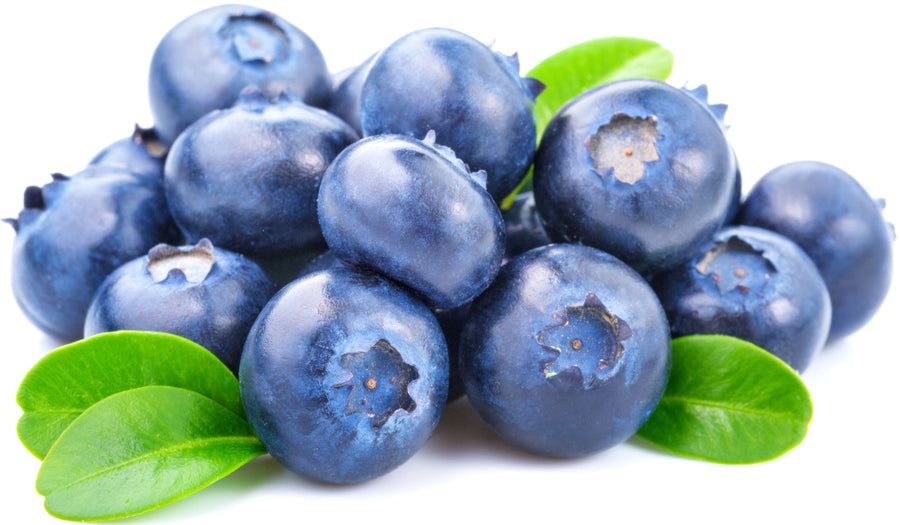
[636, 168]
[247, 177]
[204, 62]
[411, 211]
[141, 153]
[442, 80]
[73, 232]
[826, 211]
[208, 295]
[346, 99]
[567, 353]
[524, 230]
[344, 375]
[752, 284]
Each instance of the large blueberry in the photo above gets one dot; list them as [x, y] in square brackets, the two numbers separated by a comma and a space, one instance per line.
[752, 284]
[247, 177]
[832, 217]
[412, 211]
[442, 80]
[344, 375]
[205, 61]
[73, 232]
[636, 168]
[208, 295]
[141, 153]
[567, 353]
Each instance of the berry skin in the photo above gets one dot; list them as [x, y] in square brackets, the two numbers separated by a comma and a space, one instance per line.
[205, 61]
[636, 168]
[344, 376]
[411, 211]
[567, 353]
[208, 295]
[472, 97]
[828, 214]
[247, 177]
[346, 99]
[75, 231]
[755, 285]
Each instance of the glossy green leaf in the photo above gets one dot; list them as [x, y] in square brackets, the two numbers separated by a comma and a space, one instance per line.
[141, 449]
[68, 380]
[583, 66]
[729, 401]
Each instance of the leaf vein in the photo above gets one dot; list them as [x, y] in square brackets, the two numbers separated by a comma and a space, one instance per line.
[734, 408]
[167, 450]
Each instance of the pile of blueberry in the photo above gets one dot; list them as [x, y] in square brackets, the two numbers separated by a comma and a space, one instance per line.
[370, 198]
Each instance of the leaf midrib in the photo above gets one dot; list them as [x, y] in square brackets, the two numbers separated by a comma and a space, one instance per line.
[184, 446]
[721, 405]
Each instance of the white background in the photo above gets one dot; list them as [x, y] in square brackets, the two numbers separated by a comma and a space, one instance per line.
[804, 80]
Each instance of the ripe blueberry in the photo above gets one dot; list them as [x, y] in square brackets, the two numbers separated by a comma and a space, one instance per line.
[208, 295]
[636, 168]
[73, 232]
[344, 375]
[753, 284]
[412, 211]
[205, 61]
[247, 177]
[567, 353]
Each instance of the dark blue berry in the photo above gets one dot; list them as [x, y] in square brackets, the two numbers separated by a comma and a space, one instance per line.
[208, 295]
[344, 375]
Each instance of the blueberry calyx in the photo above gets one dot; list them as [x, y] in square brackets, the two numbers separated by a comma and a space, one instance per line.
[148, 138]
[480, 176]
[881, 204]
[256, 39]
[622, 146]
[34, 198]
[170, 263]
[251, 98]
[586, 345]
[532, 87]
[287, 96]
[736, 265]
[701, 94]
[379, 383]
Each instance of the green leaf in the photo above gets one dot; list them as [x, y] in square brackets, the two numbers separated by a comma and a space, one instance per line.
[70, 379]
[142, 449]
[729, 401]
[583, 66]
